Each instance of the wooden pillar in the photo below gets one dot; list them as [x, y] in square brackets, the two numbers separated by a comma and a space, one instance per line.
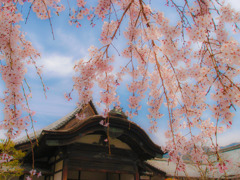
[136, 176]
[65, 169]
[79, 175]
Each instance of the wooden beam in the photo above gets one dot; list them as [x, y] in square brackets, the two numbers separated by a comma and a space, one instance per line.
[65, 169]
[136, 176]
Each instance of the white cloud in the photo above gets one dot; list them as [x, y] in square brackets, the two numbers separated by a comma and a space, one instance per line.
[57, 65]
[72, 43]
[159, 137]
[235, 4]
[229, 138]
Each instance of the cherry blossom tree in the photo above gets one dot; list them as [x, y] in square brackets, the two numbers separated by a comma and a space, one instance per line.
[10, 160]
[177, 64]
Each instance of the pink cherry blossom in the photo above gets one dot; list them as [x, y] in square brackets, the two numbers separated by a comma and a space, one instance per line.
[33, 172]
[28, 178]
[39, 174]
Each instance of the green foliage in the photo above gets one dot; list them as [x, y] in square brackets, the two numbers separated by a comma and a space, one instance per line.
[10, 166]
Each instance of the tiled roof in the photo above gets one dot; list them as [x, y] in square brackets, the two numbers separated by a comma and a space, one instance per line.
[55, 125]
[170, 167]
[229, 153]
[230, 148]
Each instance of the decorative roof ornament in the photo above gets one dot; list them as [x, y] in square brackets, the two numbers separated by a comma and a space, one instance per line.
[118, 111]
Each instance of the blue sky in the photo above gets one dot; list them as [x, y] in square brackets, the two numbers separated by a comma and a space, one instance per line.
[58, 57]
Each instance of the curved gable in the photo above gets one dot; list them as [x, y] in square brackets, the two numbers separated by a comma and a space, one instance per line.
[122, 130]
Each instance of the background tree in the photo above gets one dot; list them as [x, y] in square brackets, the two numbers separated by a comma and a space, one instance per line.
[10, 160]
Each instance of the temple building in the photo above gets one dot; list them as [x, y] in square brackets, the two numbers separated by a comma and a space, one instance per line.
[88, 149]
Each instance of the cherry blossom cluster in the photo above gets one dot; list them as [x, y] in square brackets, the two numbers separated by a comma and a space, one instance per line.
[180, 66]
[5, 158]
[77, 15]
[96, 70]
[102, 8]
[33, 172]
[14, 50]
[107, 32]
[80, 116]
[105, 124]
[42, 10]
[15, 54]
